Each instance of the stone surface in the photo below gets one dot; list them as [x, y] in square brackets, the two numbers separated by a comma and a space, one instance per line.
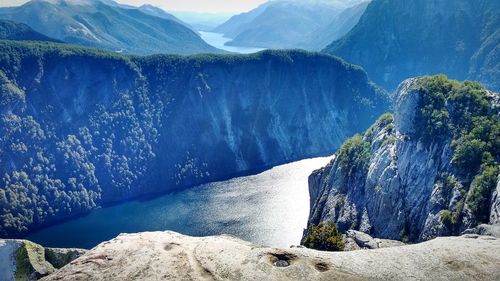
[356, 240]
[172, 256]
[485, 229]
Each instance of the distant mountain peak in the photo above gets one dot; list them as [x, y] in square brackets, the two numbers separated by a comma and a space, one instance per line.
[110, 25]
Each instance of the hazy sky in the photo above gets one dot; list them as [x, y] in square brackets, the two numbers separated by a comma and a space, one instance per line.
[209, 6]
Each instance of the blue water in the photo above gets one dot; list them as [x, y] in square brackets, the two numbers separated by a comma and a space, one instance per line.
[218, 40]
[270, 209]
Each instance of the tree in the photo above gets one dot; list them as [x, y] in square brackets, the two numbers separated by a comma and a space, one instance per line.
[323, 237]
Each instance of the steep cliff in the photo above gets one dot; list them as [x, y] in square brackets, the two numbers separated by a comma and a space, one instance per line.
[429, 170]
[81, 128]
[398, 39]
[25, 260]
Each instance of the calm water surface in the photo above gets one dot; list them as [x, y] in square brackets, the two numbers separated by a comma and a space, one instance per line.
[270, 209]
[218, 40]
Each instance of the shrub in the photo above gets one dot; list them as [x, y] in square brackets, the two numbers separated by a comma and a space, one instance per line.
[464, 112]
[480, 195]
[323, 237]
[354, 155]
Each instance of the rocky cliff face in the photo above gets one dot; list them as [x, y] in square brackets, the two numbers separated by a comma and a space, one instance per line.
[395, 40]
[82, 128]
[415, 175]
[171, 256]
[25, 260]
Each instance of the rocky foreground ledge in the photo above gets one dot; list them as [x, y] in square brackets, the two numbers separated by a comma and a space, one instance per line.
[172, 256]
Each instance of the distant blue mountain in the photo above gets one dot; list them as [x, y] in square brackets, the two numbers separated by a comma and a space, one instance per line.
[397, 39]
[109, 25]
[292, 24]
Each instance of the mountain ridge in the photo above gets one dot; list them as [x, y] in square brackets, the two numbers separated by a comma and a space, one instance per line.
[291, 24]
[11, 30]
[396, 40]
[108, 25]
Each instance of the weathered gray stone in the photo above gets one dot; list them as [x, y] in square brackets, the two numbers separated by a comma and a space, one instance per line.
[484, 229]
[172, 256]
[362, 239]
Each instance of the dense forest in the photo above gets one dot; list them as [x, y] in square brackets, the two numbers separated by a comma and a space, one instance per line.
[82, 128]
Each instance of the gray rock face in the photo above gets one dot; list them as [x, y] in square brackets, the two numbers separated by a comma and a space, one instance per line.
[356, 240]
[485, 229]
[404, 192]
[495, 205]
[171, 256]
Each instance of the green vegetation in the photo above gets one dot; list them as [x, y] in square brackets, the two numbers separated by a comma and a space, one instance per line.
[23, 266]
[463, 112]
[323, 237]
[30, 260]
[61, 257]
[384, 121]
[481, 189]
[354, 155]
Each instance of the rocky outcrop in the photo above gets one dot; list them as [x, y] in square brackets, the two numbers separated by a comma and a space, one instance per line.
[405, 180]
[82, 128]
[485, 229]
[25, 260]
[357, 240]
[172, 256]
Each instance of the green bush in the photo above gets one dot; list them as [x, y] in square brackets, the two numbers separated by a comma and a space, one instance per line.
[354, 155]
[323, 237]
[464, 112]
[481, 189]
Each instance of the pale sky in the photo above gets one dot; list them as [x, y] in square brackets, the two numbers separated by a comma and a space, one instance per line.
[207, 6]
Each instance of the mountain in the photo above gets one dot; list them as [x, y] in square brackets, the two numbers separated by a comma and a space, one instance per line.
[10, 30]
[395, 40]
[202, 21]
[337, 28]
[430, 169]
[172, 256]
[82, 128]
[109, 25]
[160, 13]
[236, 23]
[285, 24]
